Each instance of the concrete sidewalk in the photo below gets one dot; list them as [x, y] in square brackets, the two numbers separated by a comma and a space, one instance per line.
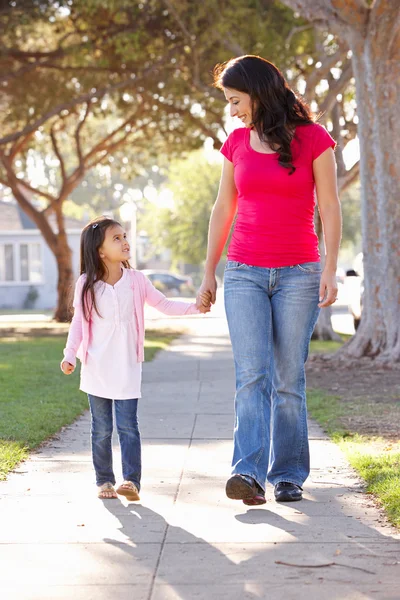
[185, 540]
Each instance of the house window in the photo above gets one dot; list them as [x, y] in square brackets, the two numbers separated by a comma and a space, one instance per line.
[30, 260]
[21, 263]
[6, 262]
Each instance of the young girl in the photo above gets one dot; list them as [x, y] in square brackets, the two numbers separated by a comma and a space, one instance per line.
[107, 335]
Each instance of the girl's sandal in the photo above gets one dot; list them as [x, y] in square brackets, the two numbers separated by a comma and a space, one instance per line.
[129, 490]
[106, 491]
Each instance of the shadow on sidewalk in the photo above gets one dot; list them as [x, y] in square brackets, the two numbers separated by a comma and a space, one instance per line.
[190, 567]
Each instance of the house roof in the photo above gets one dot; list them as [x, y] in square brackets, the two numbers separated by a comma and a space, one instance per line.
[13, 218]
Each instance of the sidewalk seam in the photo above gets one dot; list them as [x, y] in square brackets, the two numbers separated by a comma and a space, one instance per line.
[153, 580]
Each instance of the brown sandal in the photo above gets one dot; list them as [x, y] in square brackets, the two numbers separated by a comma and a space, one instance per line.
[106, 489]
[129, 490]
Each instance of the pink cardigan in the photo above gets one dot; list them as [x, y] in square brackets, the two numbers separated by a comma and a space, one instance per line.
[143, 291]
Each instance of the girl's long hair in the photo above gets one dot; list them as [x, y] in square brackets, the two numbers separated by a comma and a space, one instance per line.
[276, 109]
[92, 238]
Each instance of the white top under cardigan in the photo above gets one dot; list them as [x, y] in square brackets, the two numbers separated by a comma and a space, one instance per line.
[111, 369]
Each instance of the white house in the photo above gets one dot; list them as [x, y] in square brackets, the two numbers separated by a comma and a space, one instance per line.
[28, 269]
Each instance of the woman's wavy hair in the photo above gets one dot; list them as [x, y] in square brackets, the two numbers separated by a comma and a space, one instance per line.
[92, 238]
[276, 108]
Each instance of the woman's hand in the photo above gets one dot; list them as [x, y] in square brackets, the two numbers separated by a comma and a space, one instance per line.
[328, 289]
[208, 290]
[67, 368]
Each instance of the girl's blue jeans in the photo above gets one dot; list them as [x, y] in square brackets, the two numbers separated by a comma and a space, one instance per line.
[129, 438]
[271, 316]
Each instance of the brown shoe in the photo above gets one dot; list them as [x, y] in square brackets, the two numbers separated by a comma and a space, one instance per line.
[241, 487]
[129, 490]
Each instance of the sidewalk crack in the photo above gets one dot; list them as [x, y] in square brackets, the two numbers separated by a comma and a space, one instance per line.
[153, 581]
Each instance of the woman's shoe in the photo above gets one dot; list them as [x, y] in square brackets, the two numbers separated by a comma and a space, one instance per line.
[241, 487]
[258, 499]
[287, 492]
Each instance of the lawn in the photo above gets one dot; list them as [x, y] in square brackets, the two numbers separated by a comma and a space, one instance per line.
[376, 459]
[36, 399]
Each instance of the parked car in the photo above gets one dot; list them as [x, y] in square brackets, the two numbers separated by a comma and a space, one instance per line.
[171, 284]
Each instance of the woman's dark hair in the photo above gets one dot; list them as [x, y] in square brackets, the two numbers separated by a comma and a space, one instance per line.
[92, 238]
[276, 109]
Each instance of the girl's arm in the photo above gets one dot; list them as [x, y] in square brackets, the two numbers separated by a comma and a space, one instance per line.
[324, 168]
[157, 299]
[222, 216]
[75, 331]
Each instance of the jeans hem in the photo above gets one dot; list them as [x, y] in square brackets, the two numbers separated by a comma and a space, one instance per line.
[100, 483]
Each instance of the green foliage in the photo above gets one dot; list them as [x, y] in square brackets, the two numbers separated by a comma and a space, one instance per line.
[381, 473]
[184, 228]
[377, 463]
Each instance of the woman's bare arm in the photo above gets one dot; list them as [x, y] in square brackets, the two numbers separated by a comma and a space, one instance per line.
[324, 168]
[222, 216]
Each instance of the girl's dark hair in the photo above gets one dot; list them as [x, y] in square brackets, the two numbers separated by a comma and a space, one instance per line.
[92, 238]
[276, 109]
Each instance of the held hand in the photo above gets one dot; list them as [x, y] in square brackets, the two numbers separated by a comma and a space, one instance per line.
[208, 287]
[205, 298]
[328, 289]
[202, 305]
[67, 368]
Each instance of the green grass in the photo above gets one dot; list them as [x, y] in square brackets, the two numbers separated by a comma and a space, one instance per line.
[320, 346]
[36, 399]
[375, 461]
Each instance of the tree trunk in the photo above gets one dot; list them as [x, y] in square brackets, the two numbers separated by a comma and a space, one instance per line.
[376, 63]
[58, 244]
[65, 282]
[372, 31]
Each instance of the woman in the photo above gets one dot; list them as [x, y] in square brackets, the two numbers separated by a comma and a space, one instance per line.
[274, 286]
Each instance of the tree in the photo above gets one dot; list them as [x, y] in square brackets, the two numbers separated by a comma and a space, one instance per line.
[79, 105]
[372, 32]
[123, 83]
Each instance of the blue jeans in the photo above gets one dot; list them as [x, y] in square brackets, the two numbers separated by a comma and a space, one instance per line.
[271, 316]
[101, 410]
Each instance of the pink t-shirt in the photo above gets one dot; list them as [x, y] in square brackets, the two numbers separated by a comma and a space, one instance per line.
[275, 219]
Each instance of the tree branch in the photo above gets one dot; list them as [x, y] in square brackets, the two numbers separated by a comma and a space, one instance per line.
[57, 152]
[19, 146]
[322, 72]
[126, 83]
[233, 46]
[78, 136]
[35, 191]
[19, 73]
[337, 88]
[349, 177]
[338, 14]
[295, 30]
[101, 145]
[178, 19]
[37, 217]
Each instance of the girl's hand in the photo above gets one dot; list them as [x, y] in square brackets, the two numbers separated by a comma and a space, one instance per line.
[209, 287]
[202, 305]
[205, 297]
[328, 289]
[67, 368]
